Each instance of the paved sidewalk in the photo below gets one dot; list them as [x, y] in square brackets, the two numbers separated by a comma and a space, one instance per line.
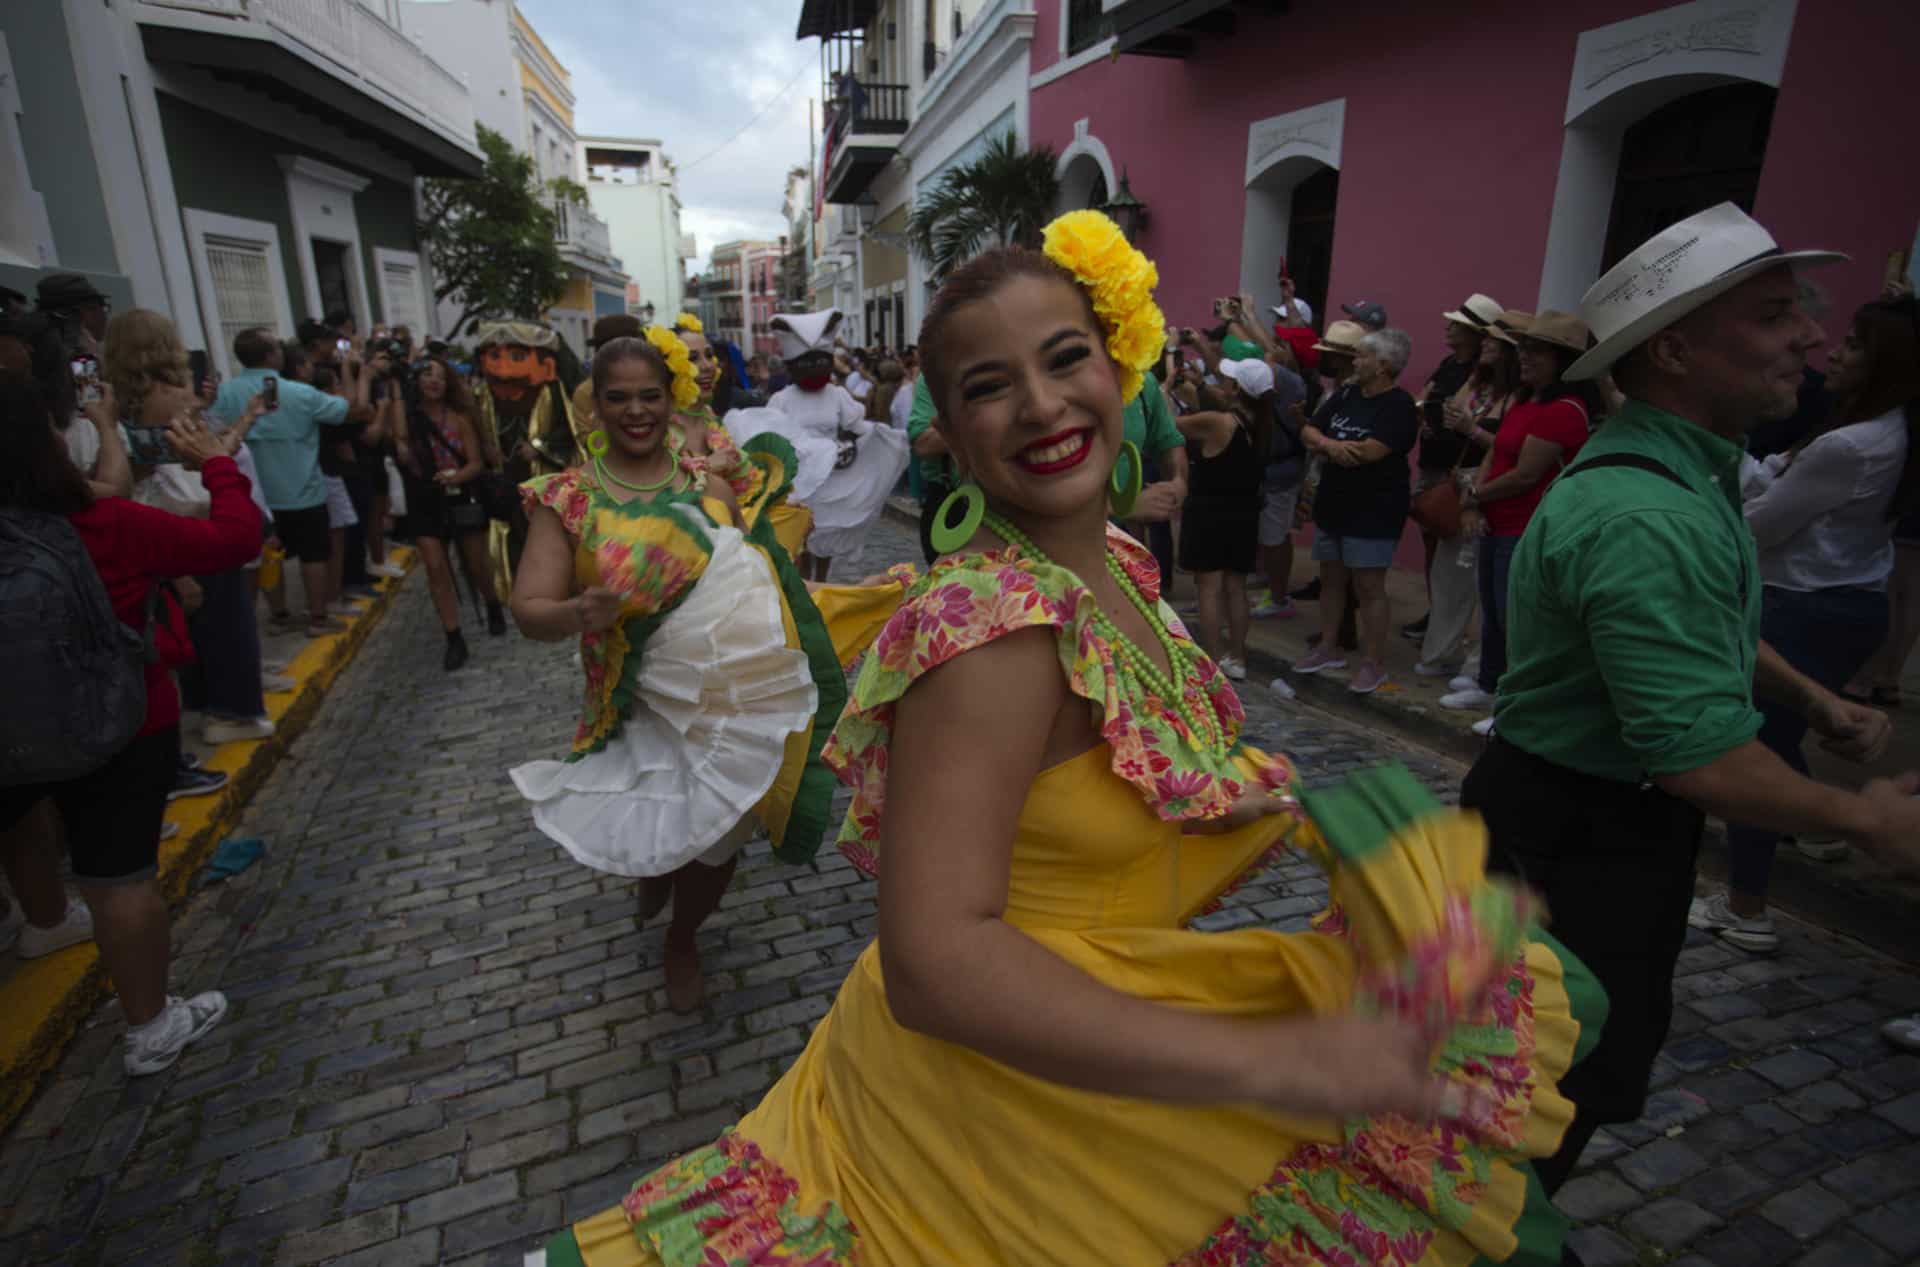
[448, 1040]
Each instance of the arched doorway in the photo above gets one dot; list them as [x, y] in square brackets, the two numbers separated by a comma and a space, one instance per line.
[1082, 185]
[1293, 187]
[1085, 170]
[1702, 150]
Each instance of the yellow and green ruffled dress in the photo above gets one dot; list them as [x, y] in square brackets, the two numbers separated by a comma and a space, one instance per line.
[886, 1147]
[708, 705]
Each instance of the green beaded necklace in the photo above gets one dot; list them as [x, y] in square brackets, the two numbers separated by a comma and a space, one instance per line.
[606, 476]
[1205, 730]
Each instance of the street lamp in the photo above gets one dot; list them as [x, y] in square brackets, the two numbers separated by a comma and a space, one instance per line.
[868, 209]
[646, 314]
[1125, 210]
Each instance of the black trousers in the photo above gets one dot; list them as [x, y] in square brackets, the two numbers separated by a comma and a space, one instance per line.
[224, 678]
[1615, 863]
[360, 492]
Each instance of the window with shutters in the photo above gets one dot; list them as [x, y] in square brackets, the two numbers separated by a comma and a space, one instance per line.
[239, 277]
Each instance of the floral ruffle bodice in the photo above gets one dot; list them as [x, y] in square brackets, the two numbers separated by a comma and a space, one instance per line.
[967, 601]
[649, 552]
[722, 458]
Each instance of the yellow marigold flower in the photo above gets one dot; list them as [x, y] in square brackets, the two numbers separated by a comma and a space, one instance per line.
[1120, 282]
[686, 389]
[688, 322]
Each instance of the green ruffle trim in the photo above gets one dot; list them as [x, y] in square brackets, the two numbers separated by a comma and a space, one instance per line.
[812, 812]
[781, 450]
[1359, 816]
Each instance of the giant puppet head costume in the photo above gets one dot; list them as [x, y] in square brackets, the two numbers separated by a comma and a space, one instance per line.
[806, 344]
[518, 359]
[528, 372]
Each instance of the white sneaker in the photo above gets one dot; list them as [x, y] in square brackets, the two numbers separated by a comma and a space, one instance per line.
[74, 927]
[277, 683]
[1233, 668]
[1467, 701]
[157, 1044]
[1279, 687]
[1437, 670]
[10, 925]
[385, 569]
[219, 732]
[1483, 727]
[1464, 683]
[1755, 936]
[1827, 850]
[1903, 1032]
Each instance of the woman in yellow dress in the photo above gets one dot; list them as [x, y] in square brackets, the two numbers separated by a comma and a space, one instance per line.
[1037, 1062]
[711, 684]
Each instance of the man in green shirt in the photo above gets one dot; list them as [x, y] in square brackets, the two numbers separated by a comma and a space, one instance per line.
[1147, 422]
[1626, 714]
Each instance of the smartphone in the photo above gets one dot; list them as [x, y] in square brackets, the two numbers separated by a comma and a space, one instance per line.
[271, 390]
[197, 367]
[344, 346]
[86, 379]
[147, 446]
[1219, 307]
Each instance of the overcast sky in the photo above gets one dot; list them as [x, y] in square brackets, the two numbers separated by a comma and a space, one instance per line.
[640, 69]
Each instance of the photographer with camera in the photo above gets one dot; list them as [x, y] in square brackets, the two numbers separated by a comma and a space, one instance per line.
[440, 456]
[389, 361]
[110, 556]
[333, 352]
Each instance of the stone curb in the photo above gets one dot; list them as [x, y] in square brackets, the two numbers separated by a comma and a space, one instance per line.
[47, 1000]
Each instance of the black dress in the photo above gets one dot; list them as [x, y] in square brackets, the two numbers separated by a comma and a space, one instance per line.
[1220, 524]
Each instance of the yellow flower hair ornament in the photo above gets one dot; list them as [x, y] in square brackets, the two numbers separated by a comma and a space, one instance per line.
[686, 390]
[1120, 281]
[689, 323]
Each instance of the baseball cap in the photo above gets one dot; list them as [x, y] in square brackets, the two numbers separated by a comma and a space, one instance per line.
[1367, 313]
[1255, 377]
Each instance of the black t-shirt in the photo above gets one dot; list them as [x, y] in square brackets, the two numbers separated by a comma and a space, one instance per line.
[1440, 445]
[1367, 501]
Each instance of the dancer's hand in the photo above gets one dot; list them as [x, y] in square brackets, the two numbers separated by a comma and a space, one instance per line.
[1349, 1066]
[598, 609]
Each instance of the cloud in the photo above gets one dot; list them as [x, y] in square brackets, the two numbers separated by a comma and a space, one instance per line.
[648, 70]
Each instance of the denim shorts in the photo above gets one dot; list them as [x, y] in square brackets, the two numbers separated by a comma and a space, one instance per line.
[1355, 552]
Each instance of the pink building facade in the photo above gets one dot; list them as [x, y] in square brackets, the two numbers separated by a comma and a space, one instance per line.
[1412, 153]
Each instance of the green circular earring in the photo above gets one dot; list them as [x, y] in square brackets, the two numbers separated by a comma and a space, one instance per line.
[947, 536]
[1126, 489]
[597, 443]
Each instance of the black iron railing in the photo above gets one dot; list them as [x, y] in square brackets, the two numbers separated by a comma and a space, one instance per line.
[862, 106]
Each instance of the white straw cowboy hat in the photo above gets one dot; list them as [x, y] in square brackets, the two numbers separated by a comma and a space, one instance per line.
[1674, 272]
[1480, 312]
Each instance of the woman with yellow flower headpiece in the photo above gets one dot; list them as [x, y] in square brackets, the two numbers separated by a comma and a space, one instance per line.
[1037, 1061]
[711, 680]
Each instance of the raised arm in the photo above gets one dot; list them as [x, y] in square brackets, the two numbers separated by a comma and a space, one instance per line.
[112, 474]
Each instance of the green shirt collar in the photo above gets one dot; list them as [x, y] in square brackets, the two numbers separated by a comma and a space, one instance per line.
[1688, 448]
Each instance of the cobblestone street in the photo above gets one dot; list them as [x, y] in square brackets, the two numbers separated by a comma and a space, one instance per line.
[447, 1039]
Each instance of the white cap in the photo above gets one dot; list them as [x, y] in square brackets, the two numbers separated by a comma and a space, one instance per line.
[1255, 377]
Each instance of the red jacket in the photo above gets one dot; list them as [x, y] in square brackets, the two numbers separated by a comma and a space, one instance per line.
[136, 547]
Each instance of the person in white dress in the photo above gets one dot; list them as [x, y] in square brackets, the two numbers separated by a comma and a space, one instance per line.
[829, 431]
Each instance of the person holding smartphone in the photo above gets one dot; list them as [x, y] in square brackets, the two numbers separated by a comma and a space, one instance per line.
[113, 814]
[285, 444]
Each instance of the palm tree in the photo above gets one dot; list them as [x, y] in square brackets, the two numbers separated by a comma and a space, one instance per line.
[1002, 197]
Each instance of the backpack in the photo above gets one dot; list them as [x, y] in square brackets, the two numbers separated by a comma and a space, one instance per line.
[79, 691]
